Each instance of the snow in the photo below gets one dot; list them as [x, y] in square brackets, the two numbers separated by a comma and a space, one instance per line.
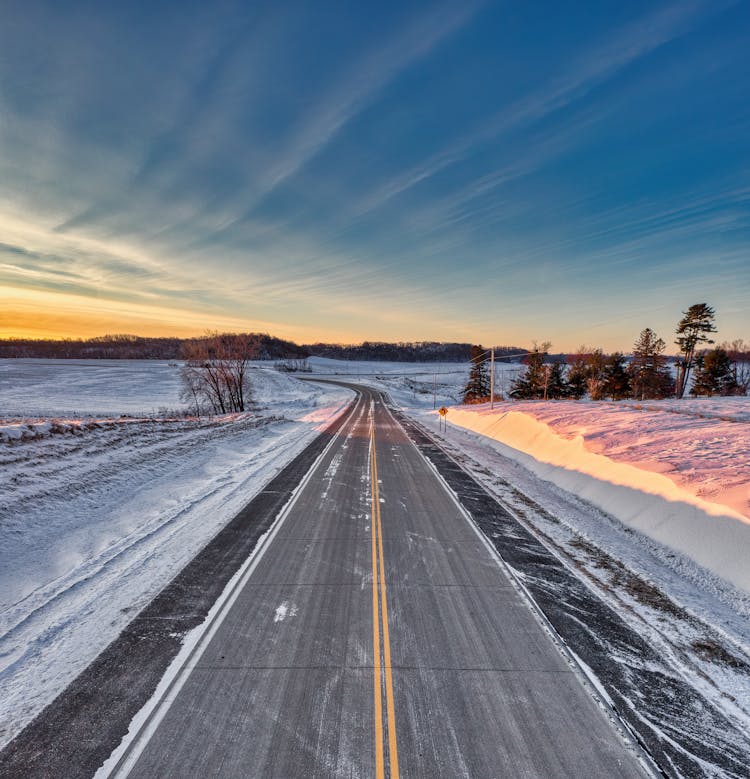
[97, 514]
[284, 610]
[72, 388]
[603, 454]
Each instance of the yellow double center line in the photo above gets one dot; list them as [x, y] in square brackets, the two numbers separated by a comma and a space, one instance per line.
[379, 605]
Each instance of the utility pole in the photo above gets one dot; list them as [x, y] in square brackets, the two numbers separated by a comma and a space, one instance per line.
[434, 391]
[492, 378]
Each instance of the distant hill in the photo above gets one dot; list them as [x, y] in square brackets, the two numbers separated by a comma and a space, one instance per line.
[134, 347]
[403, 351]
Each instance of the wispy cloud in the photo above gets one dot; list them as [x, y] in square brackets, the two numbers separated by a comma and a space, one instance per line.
[590, 69]
[365, 81]
[165, 196]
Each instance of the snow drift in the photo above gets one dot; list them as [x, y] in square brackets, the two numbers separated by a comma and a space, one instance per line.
[715, 536]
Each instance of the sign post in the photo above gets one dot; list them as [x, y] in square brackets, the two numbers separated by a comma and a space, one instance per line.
[443, 421]
[492, 378]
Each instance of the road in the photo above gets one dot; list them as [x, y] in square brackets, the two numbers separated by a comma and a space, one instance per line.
[377, 635]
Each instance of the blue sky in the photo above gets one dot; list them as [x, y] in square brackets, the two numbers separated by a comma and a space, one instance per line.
[486, 172]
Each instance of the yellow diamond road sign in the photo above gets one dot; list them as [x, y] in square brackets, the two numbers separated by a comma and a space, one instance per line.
[442, 411]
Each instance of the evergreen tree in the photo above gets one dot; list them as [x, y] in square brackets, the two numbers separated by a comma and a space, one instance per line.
[714, 374]
[596, 364]
[695, 326]
[650, 376]
[557, 386]
[577, 378]
[616, 382]
[532, 382]
[477, 388]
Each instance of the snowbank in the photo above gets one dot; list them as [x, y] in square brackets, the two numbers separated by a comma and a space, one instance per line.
[715, 536]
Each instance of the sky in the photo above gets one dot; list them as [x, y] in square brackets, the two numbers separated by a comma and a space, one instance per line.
[491, 172]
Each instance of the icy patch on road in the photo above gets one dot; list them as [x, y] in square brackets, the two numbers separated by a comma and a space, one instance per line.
[331, 472]
[286, 609]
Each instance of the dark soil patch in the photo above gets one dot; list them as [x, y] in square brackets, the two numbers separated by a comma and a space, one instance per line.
[713, 652]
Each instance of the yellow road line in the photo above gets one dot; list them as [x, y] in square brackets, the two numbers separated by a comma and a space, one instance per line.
[379, 769]
[377, 534]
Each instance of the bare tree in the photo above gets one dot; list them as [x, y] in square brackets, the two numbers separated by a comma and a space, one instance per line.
[215, 374]
[739, 354]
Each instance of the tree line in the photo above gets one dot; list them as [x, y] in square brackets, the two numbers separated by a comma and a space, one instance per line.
[402, 351]
[646, 375]
[136, 347]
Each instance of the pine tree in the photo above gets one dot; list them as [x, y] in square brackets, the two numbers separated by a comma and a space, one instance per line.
[532, 382]
[650, 376]
[577, 377]
[557, 386]
[616, 383]
[596, 364]
[477, 388]
[695, 326]
[714, 374]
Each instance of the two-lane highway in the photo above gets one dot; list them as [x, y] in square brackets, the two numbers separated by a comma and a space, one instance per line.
[377, 635]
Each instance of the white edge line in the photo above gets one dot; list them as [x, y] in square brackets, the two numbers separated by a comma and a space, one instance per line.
[583, 671]
[145, 722]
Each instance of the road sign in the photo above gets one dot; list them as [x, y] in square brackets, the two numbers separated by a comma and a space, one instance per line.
[442, 411]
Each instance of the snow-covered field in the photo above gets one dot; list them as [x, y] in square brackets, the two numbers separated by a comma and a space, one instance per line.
[99, 512]
[73, 388]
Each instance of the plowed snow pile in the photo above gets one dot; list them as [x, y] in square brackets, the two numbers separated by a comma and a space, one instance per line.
[677, 471]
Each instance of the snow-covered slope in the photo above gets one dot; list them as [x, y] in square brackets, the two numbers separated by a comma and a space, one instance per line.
[658, 473]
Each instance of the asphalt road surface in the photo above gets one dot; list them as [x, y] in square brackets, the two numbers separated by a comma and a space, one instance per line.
[376, 634]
